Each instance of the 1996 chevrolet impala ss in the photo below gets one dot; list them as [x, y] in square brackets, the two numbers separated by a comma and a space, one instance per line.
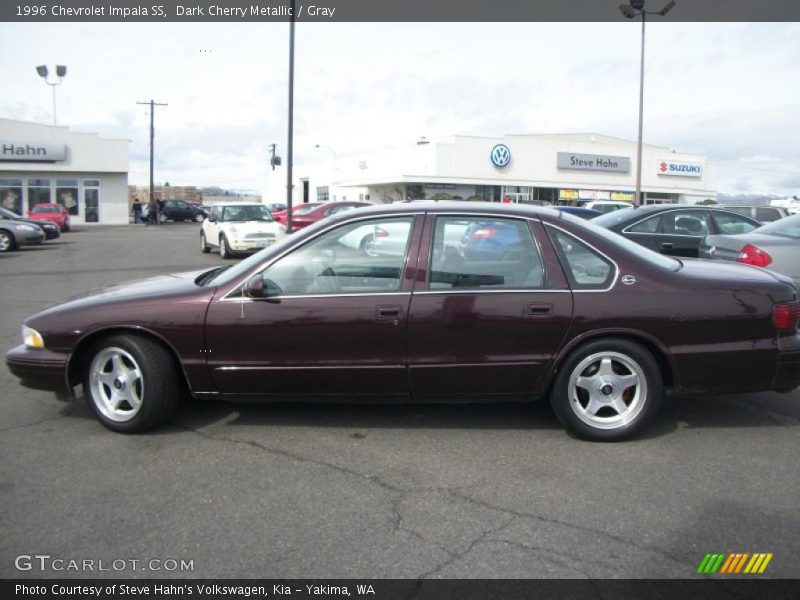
[427, 302]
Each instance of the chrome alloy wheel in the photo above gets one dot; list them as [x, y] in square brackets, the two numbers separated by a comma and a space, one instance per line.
[607, 390]
[5, 242]
[116, 384]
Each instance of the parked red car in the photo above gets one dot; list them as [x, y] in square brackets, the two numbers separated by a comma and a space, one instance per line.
[566, 310]
[50, 211]
[306, 214]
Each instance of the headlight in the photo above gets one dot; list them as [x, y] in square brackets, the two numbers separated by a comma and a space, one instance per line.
[281, 228]
[32, 338]
[25, 227]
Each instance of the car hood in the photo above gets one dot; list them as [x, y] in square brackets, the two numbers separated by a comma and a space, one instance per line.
[245, 227]
[153, 290]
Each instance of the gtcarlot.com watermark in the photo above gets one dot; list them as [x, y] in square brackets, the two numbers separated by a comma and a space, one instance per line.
[48, 563]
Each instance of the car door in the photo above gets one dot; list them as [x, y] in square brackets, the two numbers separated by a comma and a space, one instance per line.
[676, 232]
[490, 308]
[335, 323]
[211, 226]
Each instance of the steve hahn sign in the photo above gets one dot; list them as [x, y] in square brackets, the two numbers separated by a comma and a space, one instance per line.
[32, 151]
[593, 162]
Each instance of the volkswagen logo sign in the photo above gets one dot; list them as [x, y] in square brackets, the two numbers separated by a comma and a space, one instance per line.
[500, 155]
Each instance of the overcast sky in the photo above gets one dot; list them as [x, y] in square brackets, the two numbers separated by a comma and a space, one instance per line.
[730, 91]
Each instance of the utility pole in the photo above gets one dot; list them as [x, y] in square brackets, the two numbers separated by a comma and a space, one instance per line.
[290, 145]
[153, 205]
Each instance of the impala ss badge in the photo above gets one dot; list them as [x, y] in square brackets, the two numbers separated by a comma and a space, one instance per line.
[628, 279]
[500, 156]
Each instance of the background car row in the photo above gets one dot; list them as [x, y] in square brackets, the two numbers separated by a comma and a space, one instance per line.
[16, 230]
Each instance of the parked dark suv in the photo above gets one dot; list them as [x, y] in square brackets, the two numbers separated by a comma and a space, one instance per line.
[178, 210]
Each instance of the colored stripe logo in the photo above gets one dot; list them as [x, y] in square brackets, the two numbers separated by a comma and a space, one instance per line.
[734, 563]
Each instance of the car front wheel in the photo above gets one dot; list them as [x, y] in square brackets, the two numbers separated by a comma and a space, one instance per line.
[199, 217]
[607, 390]
[131, 383]
[6, 241]
[204, 247]
[224, 248]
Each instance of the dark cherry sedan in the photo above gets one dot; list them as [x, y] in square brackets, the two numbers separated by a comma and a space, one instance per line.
[572, 312]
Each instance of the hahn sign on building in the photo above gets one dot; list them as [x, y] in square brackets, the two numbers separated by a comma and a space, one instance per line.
[681, 169]
[593, 162]
[32, 151]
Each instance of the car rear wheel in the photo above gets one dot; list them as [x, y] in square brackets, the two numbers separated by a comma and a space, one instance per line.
[131, 383]
[224, 249]
[7, 242]
[607, 390]
[204, 247]
[199, 217]
[368, 246]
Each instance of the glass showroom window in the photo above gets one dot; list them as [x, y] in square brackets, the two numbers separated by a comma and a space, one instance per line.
[91, 200]
[38, 191]
[11, 194]
[67, 194]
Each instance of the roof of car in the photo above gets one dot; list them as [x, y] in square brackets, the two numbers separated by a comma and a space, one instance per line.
[459, 206]
[235, 203]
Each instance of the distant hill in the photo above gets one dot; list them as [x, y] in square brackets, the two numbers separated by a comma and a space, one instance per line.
[747, 199]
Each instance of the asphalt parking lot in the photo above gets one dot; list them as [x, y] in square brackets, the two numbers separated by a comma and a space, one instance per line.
[357, 491]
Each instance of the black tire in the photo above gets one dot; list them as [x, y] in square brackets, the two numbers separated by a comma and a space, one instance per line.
[367, 245]
[626, 390]
[158, 387]
[224, 248]
[7, 241]
[204, 247]
[199, 218]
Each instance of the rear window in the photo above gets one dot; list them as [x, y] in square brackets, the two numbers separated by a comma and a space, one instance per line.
[787, 227]
[46, 209]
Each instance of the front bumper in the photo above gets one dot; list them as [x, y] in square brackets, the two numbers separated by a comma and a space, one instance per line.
[787, 373]
[29, 238]
[250, 245]
[38, 369]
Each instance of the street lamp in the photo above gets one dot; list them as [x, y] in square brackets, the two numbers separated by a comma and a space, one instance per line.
[629, 11]
[61, 71]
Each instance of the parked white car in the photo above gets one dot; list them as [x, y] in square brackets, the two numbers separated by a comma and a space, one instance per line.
[606, 206]
[239, 228]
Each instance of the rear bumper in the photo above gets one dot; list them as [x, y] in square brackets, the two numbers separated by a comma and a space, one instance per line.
[38, 369]
[787, 373]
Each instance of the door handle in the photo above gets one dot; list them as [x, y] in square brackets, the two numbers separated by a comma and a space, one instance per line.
[538, 310]
[667, 246]
[388, 312]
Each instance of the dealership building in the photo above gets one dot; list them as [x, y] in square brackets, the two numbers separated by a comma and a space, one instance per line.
[84, 172]
[545, 168]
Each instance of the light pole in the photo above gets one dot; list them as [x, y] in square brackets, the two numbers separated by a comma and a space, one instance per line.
[61, 71]
[629, 11]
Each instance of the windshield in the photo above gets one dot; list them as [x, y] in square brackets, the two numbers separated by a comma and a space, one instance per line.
[8, 214]
[305, 209]
[610, 219]
[247, 212]
[654, 258]
[46, 209]
[786, 227]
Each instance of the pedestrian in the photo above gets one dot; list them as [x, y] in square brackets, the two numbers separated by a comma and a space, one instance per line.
[146, 214]
[137, 211]
[160, 206]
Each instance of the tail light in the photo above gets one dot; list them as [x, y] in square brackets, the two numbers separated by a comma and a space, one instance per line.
[751, 255]
[380, 232]
[785, 315]
[483, 233]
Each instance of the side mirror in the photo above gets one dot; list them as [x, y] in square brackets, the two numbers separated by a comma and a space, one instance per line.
[257, 288]
[254, 287]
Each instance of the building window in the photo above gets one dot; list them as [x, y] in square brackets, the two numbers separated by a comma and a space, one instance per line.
[323, 194]
[91, 200]
[38, 192]
[67, 195]
[11, 194]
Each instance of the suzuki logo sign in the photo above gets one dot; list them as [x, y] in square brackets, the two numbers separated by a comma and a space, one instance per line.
[500, 156]
[680, 169]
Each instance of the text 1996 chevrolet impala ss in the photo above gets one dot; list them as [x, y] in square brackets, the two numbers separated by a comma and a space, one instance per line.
[427, 302]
